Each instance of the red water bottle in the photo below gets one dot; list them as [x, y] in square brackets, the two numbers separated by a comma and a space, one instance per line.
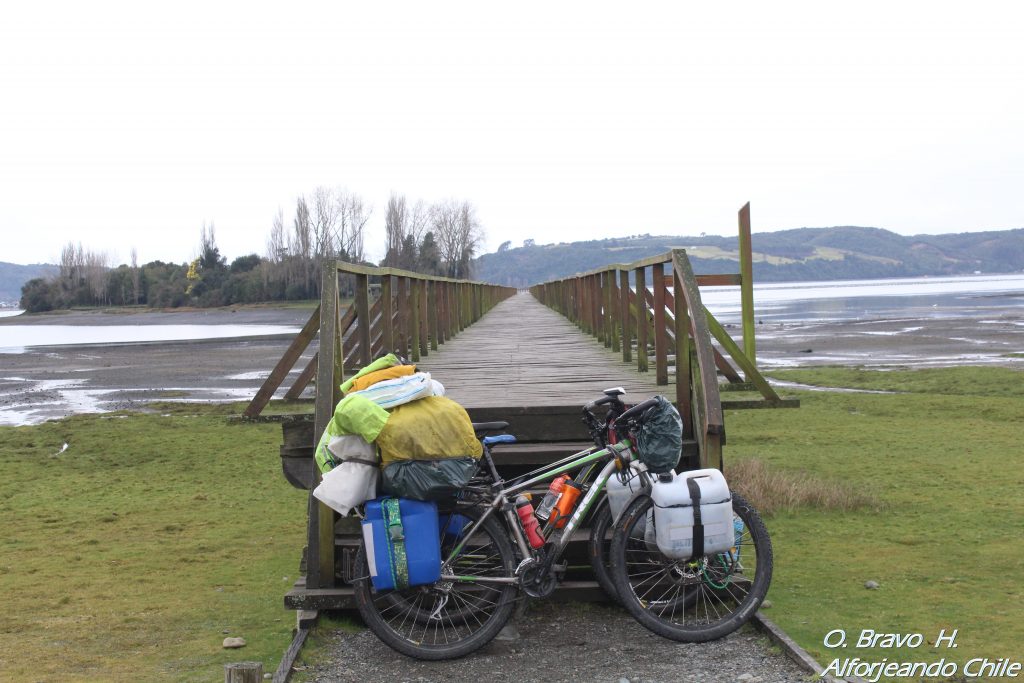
[525, 511]
[554, 491]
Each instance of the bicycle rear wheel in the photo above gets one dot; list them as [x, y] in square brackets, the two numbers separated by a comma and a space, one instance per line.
[693, 600]
[445, 620]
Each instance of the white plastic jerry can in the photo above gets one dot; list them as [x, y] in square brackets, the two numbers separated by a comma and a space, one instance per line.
[620, 493]
[692, 514]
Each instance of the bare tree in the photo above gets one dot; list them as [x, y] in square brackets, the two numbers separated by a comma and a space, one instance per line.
[325, 219]
[458, 234]
[354, 215]
[276, 245]
[136, 277]
[394, 228]
[72, 266]
[301, 244]
[419, 221]
[96, 266]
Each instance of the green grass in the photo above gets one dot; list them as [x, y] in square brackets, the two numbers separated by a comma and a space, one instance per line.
[946, 463]
[961, 381]
[127, 556]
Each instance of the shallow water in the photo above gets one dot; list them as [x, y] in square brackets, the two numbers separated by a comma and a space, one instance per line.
[966, 296]
[16, 338]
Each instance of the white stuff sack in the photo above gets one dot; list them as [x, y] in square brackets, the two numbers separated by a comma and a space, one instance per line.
[392, 393]
[355, 480]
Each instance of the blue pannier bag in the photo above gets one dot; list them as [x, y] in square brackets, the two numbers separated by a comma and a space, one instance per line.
[403, 544]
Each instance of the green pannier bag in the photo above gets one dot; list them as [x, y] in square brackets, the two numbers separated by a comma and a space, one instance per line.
[660, 439]
[428, 480]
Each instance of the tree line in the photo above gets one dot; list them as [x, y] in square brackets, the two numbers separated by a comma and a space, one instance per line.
[329, 224]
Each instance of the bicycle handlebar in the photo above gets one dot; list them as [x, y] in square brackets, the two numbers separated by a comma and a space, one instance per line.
[636, 410]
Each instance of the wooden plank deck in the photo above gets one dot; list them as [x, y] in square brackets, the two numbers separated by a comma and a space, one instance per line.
[522, 353]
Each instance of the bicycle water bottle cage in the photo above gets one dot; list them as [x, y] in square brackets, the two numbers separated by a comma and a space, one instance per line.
[498, 438]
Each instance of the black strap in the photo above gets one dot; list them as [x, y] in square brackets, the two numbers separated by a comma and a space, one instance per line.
[362, 461]
[698, 526]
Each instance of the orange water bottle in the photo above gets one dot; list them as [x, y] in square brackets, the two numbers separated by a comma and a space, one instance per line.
[551, 497]
[566, 503]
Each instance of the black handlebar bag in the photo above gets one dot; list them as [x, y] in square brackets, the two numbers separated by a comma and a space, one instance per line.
[660, 437]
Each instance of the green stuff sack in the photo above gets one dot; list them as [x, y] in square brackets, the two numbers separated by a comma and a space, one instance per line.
[355, 414]
[428, 480]
[660, 439]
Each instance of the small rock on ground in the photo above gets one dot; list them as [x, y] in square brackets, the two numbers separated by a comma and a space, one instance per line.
[234, 642]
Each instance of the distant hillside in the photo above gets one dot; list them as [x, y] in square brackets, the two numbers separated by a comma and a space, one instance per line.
[13, 276]
[787, 255]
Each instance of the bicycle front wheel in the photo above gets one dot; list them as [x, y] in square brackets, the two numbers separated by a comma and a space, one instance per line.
[697, 599]
[447, 619]
[600, 543]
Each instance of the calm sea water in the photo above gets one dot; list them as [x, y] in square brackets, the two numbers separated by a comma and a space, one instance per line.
[17, 338]
[968, 296]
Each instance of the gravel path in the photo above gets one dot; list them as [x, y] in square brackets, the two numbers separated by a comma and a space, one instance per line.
[564, 642]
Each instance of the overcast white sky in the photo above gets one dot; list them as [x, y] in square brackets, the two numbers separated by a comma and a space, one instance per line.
[131, 124]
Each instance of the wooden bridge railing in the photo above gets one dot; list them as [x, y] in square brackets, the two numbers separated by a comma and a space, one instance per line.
[391, 310]
[662, 323]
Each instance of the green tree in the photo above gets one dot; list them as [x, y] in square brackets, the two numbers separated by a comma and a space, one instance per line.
[429, 260]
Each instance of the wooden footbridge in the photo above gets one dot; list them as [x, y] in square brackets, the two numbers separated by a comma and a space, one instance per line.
[530, 358]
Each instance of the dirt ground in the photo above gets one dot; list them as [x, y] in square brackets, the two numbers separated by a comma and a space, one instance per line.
[564, 642]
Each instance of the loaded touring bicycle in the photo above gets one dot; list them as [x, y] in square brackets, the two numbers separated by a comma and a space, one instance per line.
[688, 558]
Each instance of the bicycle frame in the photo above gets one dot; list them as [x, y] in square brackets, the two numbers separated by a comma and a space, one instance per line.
[501, 501]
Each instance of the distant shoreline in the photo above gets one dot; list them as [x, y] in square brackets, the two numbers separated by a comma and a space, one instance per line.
[249, 314]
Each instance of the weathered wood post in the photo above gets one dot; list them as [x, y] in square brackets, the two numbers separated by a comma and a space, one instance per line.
[424, 319]
[363, 318]
[660, 335]
[624, 318]
[641, 319]
[683, 369]
[747, 285]
[414, 320]
[243, 672]
[320, 538]
[387, 314]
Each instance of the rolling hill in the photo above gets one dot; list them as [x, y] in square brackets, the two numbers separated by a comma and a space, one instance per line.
[13, 276]
[837, 253]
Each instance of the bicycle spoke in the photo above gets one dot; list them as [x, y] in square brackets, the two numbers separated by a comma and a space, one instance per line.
[696, 599]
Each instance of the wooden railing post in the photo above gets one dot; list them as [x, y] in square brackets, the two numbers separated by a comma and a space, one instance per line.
[387, 314]
[747, 285]
[424, 312]
[641, 319]
[611, 299]
[660, 336]
[683, 370]
[710, 431]
[363, 317]
[402, 321]
[320, 537]
[441, 302]
[453, 311]
[414, 319]
[627, 327]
